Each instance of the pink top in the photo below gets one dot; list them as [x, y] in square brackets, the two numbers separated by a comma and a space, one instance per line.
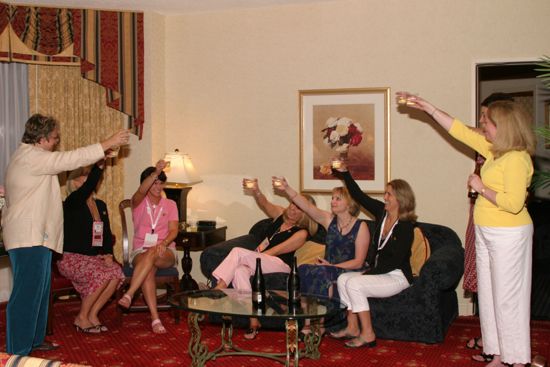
[161, 214]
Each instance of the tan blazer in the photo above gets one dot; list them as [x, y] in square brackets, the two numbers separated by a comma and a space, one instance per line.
[33, 215]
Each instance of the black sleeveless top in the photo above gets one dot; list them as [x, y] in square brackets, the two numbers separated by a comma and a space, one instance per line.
[275, 237]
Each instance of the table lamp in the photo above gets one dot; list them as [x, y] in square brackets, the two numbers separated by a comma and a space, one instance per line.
[181, 174]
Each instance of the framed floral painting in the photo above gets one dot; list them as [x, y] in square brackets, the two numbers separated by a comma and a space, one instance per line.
[349, 125]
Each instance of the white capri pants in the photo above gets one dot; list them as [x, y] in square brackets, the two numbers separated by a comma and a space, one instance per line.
[355, 287]
[504, 261]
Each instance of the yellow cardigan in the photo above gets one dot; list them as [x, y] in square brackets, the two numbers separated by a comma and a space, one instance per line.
[33, 215]
[509, 175]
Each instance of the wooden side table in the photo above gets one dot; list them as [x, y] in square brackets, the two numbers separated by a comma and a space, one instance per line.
[195, 241]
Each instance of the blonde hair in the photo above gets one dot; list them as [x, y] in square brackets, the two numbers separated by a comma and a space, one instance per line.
[353, 207]
[514, 128]
[405, 197]
[306, 222]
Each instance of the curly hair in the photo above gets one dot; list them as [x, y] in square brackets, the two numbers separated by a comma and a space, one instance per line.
[37, 127]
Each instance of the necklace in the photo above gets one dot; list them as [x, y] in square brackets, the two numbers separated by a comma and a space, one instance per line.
[342, 227]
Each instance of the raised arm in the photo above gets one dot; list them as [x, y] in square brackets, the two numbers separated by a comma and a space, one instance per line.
[270, 209]
[144, 187]
[413, 101]
[320, 216]
[79, 196]
[375, 207]
[295, 241]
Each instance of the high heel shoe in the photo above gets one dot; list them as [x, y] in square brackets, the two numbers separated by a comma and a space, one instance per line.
[87, 330]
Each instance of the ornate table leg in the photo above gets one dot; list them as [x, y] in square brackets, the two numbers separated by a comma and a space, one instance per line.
[312, 341]
[197, 351]
[292, 342]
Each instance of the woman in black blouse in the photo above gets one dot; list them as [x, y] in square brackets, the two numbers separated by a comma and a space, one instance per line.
[388, 257]
[88, 248]
[287, 233]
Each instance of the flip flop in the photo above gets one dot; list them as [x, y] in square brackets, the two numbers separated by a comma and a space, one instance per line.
[102, 328]
[344, 336]
[157, 327]
[474, 343]
[482, 357]
[362, 343]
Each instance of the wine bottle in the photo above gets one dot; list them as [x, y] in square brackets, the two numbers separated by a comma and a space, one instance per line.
[472, 194]
[293, 287]
[258, 289]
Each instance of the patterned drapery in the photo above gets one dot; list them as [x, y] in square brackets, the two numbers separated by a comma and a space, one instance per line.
[107, 45]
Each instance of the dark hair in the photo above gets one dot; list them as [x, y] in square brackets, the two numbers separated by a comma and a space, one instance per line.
[148, 171]
[496, 97]
[37, 127]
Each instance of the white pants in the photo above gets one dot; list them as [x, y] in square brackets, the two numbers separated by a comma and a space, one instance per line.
[504, 260]
[355, 288]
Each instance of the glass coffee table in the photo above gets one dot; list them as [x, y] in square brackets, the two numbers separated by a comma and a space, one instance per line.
[231, 302]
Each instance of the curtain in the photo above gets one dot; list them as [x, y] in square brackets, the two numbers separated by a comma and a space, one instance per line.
[14, 110]
[107, 45]
[79, 106]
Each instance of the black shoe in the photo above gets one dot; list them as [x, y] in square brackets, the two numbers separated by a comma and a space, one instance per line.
[46, 346]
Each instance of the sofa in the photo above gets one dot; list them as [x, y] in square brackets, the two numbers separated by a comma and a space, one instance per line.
[420, 313]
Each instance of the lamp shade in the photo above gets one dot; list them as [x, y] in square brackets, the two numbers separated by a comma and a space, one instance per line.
[181, 170]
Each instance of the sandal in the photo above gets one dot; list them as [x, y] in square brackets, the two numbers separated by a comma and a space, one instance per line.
[251, 333]
[87, 330]
[482, 357]
[102, 328]
[342, 336]
[362, 343]
[125, 301]
[157, 327]
[474, 343]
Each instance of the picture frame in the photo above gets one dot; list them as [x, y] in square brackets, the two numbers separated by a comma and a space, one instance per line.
[348, 124]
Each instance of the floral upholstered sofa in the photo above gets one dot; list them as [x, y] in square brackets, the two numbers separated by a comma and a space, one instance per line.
[421, 313]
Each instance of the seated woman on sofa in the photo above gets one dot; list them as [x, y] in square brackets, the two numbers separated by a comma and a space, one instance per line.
[287, 233]
[88, 248]
[347, 239]
[155, 221]
[388, 256]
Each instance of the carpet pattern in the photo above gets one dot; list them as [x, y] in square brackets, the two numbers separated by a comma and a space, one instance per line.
[132, 344]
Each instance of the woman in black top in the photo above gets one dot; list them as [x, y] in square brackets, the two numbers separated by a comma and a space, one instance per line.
[388, 257]
[285, 235]
[88, 248]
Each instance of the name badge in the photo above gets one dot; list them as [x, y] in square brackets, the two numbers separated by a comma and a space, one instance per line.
[151, 239]
[97, 234]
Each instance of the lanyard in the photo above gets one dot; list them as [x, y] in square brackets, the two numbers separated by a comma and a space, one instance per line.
[151, 212]
[381, 243]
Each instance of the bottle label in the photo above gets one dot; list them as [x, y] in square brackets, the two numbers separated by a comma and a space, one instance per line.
[257, 296]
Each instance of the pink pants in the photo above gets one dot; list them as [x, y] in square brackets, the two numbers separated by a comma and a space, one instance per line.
[240, 265]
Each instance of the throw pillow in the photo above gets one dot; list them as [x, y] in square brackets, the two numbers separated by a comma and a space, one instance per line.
[420, 251]
[308, 253]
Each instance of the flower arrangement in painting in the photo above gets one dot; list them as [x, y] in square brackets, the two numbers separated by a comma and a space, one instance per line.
[341, 133]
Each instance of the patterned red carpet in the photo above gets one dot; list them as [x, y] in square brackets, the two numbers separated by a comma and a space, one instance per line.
[134, 345]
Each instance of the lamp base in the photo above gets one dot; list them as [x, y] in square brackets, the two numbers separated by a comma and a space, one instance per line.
[178, 193]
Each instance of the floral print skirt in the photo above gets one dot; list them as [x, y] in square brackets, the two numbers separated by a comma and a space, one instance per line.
[88, 273]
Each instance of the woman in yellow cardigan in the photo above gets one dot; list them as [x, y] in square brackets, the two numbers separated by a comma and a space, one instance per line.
[504, 229]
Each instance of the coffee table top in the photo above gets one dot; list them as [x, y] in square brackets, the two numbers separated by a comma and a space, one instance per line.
[232, 302]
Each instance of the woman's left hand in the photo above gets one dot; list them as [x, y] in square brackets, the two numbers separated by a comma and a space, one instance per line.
[474, 181]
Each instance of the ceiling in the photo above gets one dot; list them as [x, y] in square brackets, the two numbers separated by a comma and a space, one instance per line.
[162, 6]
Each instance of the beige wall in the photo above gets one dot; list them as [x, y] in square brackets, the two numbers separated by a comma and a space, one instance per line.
[232, 79]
